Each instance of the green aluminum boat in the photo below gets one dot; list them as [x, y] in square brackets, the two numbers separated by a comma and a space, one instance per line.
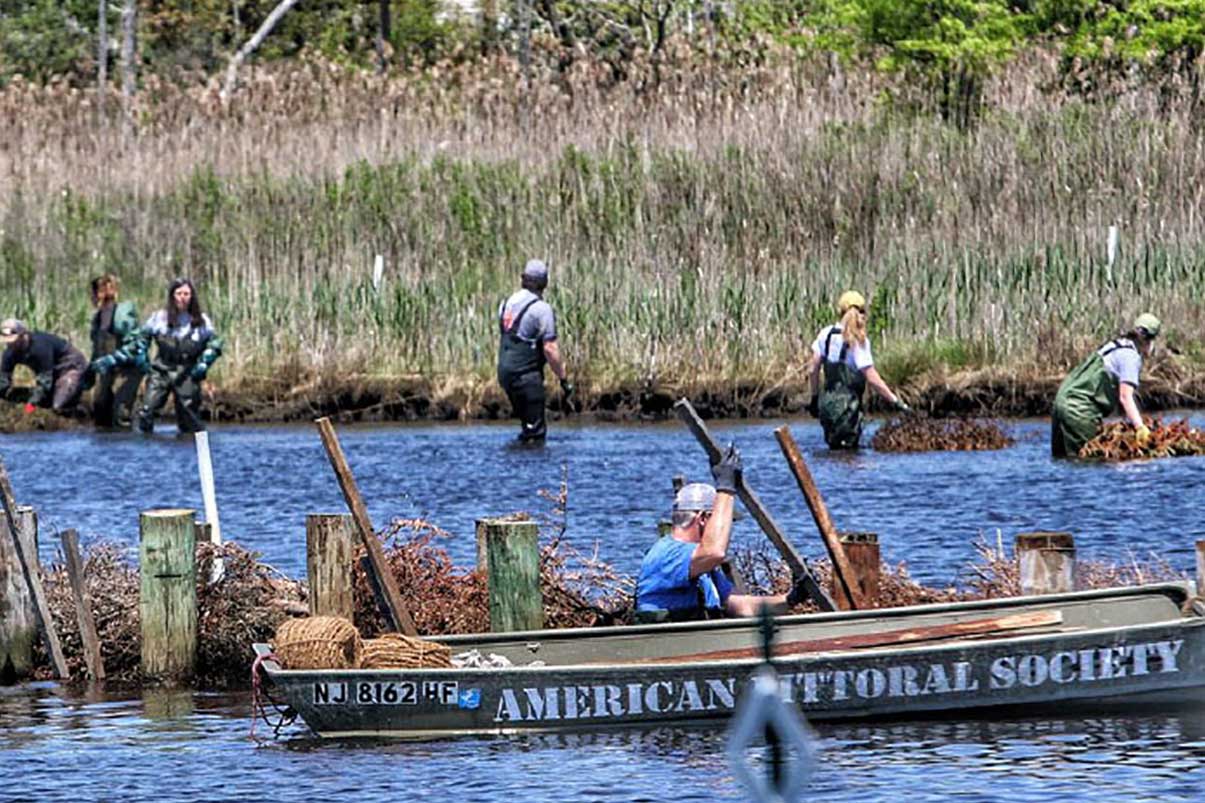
[1091, 650]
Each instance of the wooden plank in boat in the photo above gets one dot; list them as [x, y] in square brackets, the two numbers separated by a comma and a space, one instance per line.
[971, 627]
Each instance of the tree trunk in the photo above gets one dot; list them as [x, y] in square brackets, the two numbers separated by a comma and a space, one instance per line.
[102, 54]
[489, 25]
[255, 41]
[383, 35]
[129, 51]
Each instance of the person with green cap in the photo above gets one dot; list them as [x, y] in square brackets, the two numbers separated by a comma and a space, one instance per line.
[186, 348]
[58, 366]
[114, 332]
[528, 340]
[1100, 384]
[842, 353]
[680, 576]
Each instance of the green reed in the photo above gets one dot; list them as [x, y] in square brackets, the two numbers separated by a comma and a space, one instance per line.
[674, 265]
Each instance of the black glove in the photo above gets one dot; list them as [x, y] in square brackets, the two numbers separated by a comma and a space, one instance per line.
[567, 387]
[814, 406]
[797, 595]
[727, 470]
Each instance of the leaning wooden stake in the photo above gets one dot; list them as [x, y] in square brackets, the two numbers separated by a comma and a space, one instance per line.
[395, 610]
[799, 567]
[167, 600]
[30, 567]
[847, 588]
[862, 552]
[512, 553]
[330, 554]
[83, 606]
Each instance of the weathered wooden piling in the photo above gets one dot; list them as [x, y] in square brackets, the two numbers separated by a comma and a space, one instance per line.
[330, 548]
[1201, 568]
[862, 552]
[1047, 562]
[168, 595]
[83, 606]
[18, 623]
[512, 559]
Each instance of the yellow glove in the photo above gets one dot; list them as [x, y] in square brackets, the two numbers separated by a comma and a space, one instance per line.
[1143, 435]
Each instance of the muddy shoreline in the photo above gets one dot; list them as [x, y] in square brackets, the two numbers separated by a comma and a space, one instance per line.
[985, 393]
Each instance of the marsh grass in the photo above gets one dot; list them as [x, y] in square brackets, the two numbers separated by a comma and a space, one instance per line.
[698, 229]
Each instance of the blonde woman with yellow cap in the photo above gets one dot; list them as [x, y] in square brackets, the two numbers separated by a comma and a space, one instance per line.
[842, 352]
[1099, 385]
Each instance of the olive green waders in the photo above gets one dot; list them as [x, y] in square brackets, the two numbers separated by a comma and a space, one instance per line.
[841, 404]
[1087, 395]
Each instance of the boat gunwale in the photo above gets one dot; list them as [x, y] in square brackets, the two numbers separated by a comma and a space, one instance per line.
[954, 643]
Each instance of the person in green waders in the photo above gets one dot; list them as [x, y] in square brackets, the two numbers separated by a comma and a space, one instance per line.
[114, 346]
[1098, 385]
[842, 353]
[527, 335]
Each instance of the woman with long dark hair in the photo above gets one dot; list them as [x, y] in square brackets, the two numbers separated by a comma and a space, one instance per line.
[186, 346]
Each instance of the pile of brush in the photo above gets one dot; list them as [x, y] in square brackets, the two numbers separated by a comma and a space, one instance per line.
[914, 433]
[1119, 441]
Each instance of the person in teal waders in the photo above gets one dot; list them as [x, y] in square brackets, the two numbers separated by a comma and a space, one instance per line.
[1098, 386]
[114, 347]
[186, 347]
[528, 340]
[842, 353]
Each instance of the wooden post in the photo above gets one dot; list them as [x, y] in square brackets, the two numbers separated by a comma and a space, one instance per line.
[83, 606]
[513, 562]
[1047, 562]
[23, 528]
[395, 611]
[846, 588]
[1201, 568]
[330, 552]
[665, 526]
[862, 552]
[799, 567]
[168, 596]
[18, 619]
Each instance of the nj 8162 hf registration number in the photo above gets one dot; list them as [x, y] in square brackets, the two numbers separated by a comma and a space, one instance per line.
[385, 692]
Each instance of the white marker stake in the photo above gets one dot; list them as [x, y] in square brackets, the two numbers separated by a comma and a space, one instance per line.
[1111, 246]
[378, 272]
[209, 495]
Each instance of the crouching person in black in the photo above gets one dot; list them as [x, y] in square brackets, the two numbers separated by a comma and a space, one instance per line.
[57, 365]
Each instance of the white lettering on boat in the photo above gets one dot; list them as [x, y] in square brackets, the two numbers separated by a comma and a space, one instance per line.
[823, 687]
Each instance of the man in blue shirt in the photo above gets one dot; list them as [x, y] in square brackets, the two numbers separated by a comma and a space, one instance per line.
[680, 576]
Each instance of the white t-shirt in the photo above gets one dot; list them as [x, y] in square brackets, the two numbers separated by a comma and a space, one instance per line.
[1122, 360]
[858, 357]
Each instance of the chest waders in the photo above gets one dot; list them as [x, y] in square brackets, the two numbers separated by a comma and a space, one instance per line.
[170, 375]
[521, 375]
[841, 399]
[1087, 395]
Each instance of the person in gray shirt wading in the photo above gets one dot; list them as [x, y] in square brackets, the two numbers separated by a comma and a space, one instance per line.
[527, 328]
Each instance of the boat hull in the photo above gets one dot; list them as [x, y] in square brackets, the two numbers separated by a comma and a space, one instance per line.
[1136, 663]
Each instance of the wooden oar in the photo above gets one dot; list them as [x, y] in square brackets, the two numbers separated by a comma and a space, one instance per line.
[799, 567]
[883, 638]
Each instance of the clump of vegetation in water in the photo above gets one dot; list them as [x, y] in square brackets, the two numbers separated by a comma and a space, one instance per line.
[916, 433]
[1118, 440]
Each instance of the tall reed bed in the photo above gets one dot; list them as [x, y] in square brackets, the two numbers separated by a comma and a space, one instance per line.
[698, 229]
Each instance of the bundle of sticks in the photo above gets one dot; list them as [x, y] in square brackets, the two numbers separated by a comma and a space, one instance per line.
[1119, 441]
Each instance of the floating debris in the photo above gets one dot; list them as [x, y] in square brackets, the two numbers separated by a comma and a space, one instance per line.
[1119, 441]
[918, 434]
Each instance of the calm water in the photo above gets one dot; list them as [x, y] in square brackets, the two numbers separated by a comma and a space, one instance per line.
[927, 509]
